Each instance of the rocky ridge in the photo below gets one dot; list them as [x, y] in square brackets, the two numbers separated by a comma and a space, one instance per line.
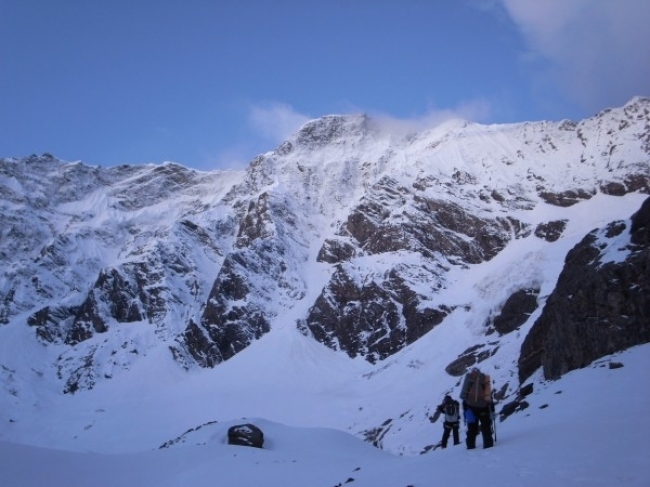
[108, 264]
[601, 303]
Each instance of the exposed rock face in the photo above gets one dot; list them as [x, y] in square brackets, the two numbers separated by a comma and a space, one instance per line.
[130, 294]
[640, 226]
[392, 218]
[337, 250]
[49, 322]
[226, 329]
[373, 228]
[613, 188]
[515, 311]
[550, 231]
[126, 298]
[637, 182]
[331, 129]
[370, 319]
[246, 435]
[565, 198]
[470, 358]
[88, 321]
[237, 311]
[375, 436]
[375, 317]
[82, 377]
[601, 304]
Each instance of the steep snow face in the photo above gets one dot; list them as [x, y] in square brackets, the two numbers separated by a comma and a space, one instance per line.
[85, 249]
[454, 196]
[519, 160]
[393, 248]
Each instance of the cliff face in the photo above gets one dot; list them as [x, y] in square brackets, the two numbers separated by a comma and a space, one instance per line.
[360, 238]
[601, 304]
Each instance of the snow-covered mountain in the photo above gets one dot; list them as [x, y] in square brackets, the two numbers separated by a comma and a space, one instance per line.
[347, 279]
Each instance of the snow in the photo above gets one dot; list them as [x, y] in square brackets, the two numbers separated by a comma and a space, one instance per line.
[589, 428]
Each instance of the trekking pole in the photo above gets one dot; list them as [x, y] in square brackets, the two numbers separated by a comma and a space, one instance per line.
[494, 416]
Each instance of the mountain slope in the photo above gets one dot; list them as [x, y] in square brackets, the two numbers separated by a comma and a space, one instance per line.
[571, 435]
[387, 262]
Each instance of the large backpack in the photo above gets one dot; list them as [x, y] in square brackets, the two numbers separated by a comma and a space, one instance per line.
[477, 389]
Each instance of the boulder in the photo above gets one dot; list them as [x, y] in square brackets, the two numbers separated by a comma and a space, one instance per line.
[246, 435]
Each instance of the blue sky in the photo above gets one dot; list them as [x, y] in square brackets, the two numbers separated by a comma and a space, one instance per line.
[211, 84]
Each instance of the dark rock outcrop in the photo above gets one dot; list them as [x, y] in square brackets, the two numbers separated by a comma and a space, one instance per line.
[380, 224]
[469, 358]
[252, 279]
[88, 321]
[50, 322]
[566, 198]
[550, 231]
[257, 222]
[515, 311]
[82, 377]
[375, 317]
[331, 129]
[638, 182]
[601, 303]
[337, 250]
[225, 328]
[640, 226]
[613, 188]
[375, 436]
[370, 319]
[128, 294]
[246, 435]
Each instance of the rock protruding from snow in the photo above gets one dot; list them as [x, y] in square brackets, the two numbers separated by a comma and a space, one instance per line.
[640, 227]
[230, 321]
[246, 435]
[372, 319]
[331, 129]
[354, 231]
[515, 311]
[601, 303]
[550, 231]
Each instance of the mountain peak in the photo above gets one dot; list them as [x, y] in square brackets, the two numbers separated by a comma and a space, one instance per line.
[328, 129]
[432, 249]
[638, 100]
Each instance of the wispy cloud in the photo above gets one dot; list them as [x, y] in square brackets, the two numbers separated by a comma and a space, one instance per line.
[263, 126]
[598, 51]
[234, 157]
[476, 111]
[275, 121]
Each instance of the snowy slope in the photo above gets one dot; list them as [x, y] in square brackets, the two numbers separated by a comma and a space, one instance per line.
[63, 225]
[573, 434]
[317, 386]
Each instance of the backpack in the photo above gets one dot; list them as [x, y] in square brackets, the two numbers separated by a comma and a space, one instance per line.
[477, 389]
[451, 412]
